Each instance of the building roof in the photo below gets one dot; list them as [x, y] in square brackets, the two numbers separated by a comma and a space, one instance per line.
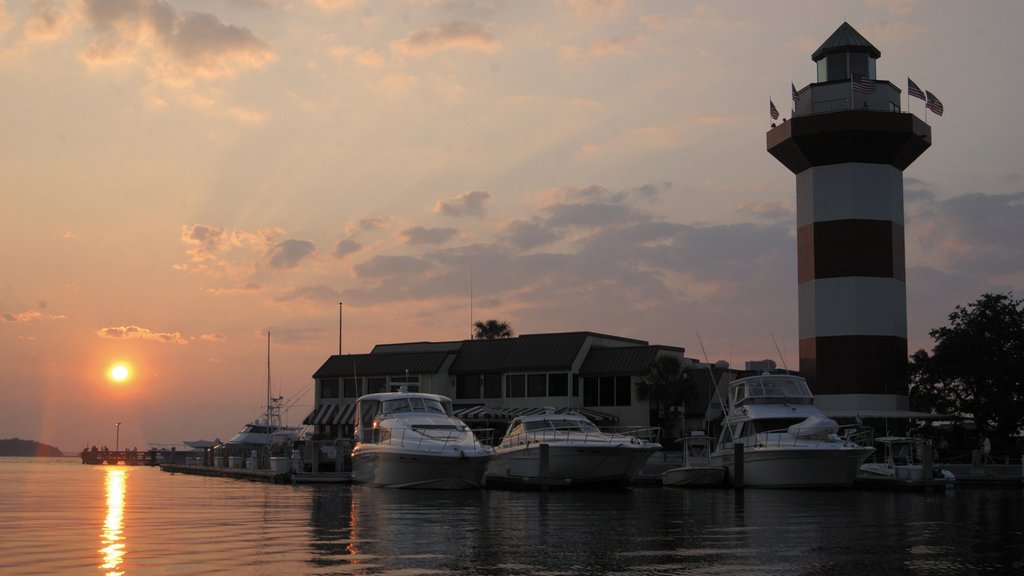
[633, 360]
[525, 352]
[845, 39]
[381, 364]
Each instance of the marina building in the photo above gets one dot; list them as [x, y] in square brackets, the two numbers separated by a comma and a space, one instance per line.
[492, 381]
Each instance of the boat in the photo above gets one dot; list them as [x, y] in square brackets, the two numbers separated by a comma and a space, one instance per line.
[411, 440]
[786, 441]
[696, 470]
[905, 464]
[266, 430]
[566, 449]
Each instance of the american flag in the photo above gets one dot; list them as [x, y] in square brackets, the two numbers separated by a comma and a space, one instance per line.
[933, 104]
[914, 91]
[863, 84]
[773, 110]
[796, 95]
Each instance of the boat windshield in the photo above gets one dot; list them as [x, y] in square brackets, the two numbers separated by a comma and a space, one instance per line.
[561, 424]
[414, 404]
[770, 390]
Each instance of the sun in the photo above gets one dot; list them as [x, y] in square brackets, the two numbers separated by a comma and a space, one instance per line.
[119, 372]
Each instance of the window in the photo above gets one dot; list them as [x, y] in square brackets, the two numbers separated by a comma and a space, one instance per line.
[329, 388]
[537, 385]
[837, 67]
[607, 391]
[558, 384]
[468, 385]
[374, 385]
[492, 386]
[352, 388]
[516, 386]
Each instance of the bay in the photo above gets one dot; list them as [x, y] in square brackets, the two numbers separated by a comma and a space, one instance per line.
[58, 516]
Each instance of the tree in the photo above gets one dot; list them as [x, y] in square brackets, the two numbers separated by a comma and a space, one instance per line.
[491, 329]
[975, 369]
[662, 386]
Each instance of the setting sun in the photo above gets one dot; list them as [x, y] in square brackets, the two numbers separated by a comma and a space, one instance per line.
[119, 372]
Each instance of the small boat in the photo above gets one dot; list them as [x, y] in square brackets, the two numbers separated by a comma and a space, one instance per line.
[787, 441]
[411, 440]
[568, 450]
[905, 464]
[696, 470]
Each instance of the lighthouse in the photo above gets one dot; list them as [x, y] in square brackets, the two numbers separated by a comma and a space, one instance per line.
[848, 143]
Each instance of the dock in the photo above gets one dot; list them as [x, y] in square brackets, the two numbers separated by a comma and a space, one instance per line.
[271, 476]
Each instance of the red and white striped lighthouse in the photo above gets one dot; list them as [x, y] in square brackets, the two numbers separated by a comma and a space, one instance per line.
[848, 143]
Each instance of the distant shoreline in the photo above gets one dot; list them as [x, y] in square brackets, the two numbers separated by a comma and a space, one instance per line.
[19, 447]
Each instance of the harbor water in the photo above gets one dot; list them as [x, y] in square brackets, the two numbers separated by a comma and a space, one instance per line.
[58, 516]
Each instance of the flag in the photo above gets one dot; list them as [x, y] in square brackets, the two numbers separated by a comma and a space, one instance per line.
[914, 91]
[863, 84]
[772, 110]
[933, 103]
[796, 95]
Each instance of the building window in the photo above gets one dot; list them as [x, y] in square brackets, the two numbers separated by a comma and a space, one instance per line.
[411, 383]
[558, 384]
[375, 385]
[537, 385]
[492, 386]
[468, 385]
[516, 386]
[607, 391]
[352, 388]
[329, 388]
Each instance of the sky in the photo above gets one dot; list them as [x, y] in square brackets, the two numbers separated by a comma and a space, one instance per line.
[179, 177]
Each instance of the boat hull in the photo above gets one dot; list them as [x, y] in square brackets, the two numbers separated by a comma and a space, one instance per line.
[411, 469]
[694, 476]
[796, 467]
[614, 465]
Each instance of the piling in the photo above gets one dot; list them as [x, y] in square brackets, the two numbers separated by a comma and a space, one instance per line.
[737, 465]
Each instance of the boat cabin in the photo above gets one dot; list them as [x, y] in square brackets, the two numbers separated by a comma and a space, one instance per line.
[769, 389]
[373, 408]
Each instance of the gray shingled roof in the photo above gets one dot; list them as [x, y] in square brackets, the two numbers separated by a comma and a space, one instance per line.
[845, 39]
[350, 365]
[634, 360]
[525, 352]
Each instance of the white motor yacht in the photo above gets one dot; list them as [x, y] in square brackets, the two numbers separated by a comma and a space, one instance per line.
[567, 450]
[411, 440]
[787, 441]
[268, 429]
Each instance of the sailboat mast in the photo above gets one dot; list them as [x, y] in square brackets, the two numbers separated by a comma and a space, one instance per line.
[268, 387]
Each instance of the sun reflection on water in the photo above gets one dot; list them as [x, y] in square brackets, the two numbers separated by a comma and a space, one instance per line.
[112, 535]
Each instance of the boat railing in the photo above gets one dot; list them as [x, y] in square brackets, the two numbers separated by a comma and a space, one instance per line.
[422, 438]
[613, 435]
[850, 435]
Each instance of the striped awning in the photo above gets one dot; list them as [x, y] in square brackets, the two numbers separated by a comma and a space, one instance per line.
[478, 413]
[330, 414]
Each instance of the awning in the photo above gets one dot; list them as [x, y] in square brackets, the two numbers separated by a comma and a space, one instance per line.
[478, 413]
[329, 414]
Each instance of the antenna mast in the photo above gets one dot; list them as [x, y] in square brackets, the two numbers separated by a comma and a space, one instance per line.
[340, 319]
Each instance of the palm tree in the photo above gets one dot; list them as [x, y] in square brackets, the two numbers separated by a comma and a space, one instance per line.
[663, 386]
[491, 329]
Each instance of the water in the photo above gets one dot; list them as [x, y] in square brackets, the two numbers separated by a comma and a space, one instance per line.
[60, 517]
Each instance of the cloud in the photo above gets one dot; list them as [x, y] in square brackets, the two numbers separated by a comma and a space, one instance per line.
[529, 234]
[457, 35]
[421, 235]
[47, 23]
[332, 5]
[176, 46]
[315, 294]
[137, 333]
[768, 210]
[344, 247]
[977, 234]
[215, 337]
[470, 203]
[290, 253]
[28, 316]
[387, 266]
